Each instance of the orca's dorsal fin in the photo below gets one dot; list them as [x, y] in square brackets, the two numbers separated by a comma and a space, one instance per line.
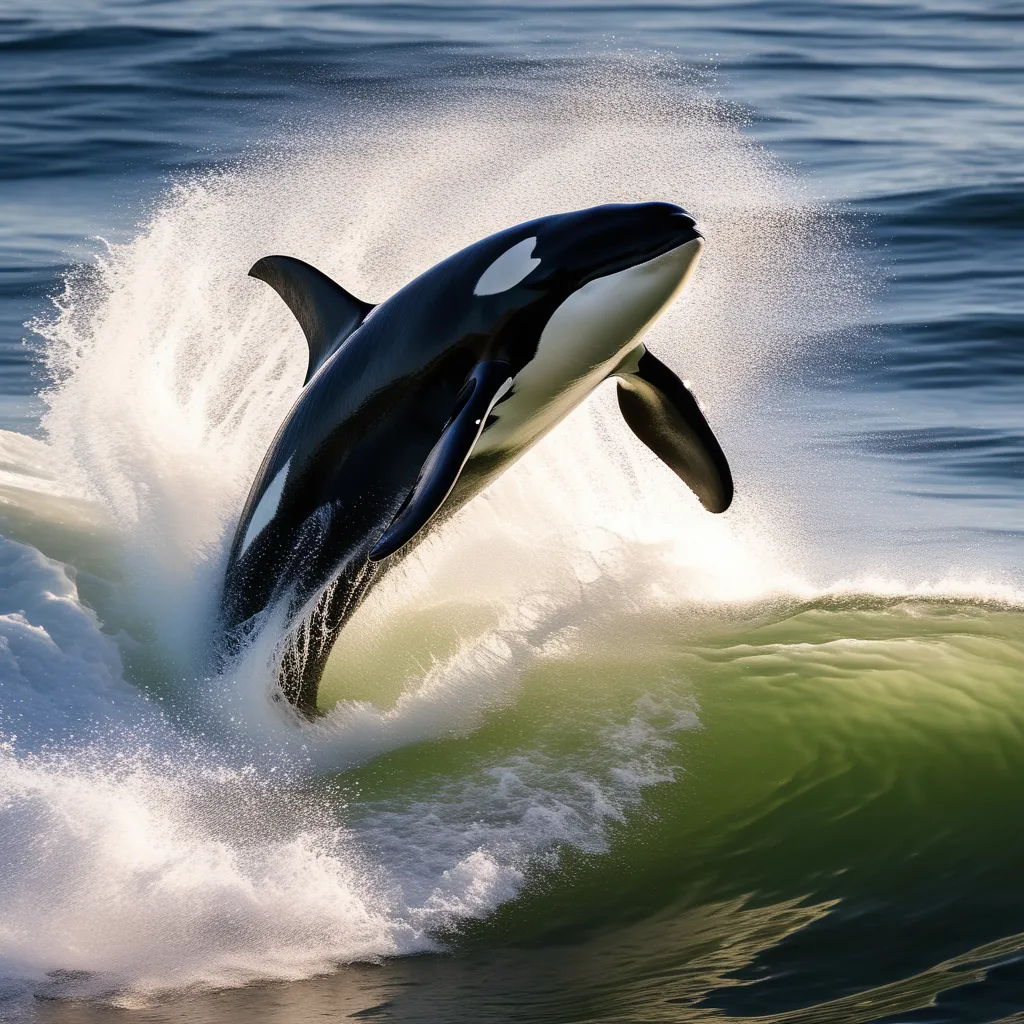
[326, 312]
[662, 412]
[488, 382]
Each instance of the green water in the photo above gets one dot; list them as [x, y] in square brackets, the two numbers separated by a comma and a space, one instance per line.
[815, 772]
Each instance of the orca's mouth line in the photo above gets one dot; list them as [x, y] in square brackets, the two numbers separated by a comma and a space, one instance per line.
[691, 235]
[674, 246]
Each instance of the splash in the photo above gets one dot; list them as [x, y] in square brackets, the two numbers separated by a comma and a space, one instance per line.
[183, 827]
[174, 369]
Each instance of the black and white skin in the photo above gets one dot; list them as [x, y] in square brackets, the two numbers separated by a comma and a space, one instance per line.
[412, 407]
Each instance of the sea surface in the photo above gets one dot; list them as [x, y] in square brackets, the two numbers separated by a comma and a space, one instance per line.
[591, 754]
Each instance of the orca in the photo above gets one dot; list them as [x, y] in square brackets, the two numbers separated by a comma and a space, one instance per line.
[411, 407]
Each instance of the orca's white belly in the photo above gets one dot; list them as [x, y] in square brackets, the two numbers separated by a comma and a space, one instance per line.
[607, 315]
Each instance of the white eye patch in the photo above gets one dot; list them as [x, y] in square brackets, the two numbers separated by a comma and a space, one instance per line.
[508, 269]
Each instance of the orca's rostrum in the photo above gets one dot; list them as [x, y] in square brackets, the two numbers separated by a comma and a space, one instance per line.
[412, 407]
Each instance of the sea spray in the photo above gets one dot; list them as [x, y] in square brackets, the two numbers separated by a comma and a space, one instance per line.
[198, 825]
[173, 370]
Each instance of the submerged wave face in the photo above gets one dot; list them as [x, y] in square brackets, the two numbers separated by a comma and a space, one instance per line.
[626, 760]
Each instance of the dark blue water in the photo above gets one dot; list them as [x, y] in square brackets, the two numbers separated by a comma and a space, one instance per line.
[907, 119]
[909, 115]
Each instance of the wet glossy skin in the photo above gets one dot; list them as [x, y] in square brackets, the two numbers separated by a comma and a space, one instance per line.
[361, 430]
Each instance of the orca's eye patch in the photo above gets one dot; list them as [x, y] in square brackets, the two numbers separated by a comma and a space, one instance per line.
[508, 269]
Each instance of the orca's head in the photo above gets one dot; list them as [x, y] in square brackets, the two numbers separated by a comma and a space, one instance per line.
[574, 292]
[600, 276]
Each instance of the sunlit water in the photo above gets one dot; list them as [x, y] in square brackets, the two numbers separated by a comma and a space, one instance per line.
[612, 758]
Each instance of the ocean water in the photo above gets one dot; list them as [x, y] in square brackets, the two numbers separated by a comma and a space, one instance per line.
[591, 754]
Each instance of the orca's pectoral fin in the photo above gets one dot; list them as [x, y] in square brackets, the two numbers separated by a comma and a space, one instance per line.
[326, 312]
[488, 382]
[662, 412]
